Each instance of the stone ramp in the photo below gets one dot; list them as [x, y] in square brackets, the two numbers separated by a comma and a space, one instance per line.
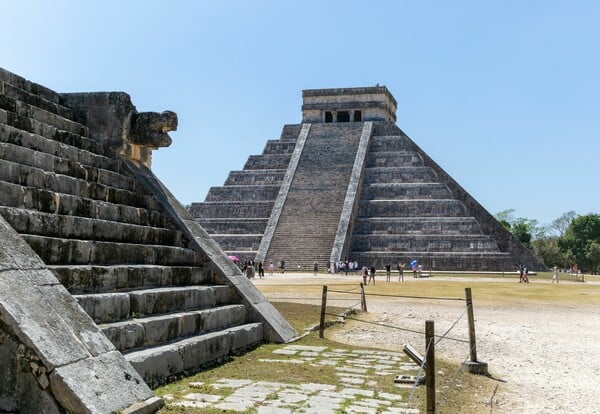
[103, 226]
[309, 220]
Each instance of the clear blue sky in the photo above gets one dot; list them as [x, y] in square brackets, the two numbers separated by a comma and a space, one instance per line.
[504, 95]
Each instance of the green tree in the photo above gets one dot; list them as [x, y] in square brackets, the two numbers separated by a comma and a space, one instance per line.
[581, 242]
[593, 255]
[561, 224]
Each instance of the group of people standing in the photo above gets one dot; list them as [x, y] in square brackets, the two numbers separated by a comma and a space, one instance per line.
[250, 268]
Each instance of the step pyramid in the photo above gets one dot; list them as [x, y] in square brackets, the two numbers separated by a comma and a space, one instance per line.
[348, 184]
[128, 273]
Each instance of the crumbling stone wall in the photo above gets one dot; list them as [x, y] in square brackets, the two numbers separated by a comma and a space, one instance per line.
[23, 378]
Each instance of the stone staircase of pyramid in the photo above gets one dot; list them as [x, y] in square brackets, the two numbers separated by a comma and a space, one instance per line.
[236, 214]
[112, 244]
[310, 216]
[407, 213]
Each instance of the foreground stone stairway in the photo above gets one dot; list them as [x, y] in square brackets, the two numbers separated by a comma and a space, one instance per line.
[111, 243]
[236, 214]
[307, 227]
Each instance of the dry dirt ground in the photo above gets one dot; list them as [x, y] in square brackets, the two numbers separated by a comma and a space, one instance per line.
[546, 359]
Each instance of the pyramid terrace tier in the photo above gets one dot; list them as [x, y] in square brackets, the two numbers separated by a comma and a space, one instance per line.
[438, 261]
[390, 143]
[412, 208]
[244, 242]
[400, 158]
[400, 175]
[424, 243]
[269, 161]
[233, 225]
[242, 193]
[401, 226]
[394, 191]
[255, 177]
[278, 147]
[250, 209]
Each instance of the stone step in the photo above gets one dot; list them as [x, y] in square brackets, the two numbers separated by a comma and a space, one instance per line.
[32, 87]
[409, 208]
[98, 184]
[267, 162]
[26, 126]
[83, 279]
[156, 330]
[255, 177]
[59, 251]
[121, 206]
[34, 99]
[234, 225]
[243, 193]
[158, 364]
[73, 227]
[416, 225]
[391, 191]
[387, 175]
[120, 306]
[55, 153]
[250, 209]
[26, 116]
[424, 243]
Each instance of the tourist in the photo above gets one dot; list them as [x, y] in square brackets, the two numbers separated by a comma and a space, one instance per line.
[525, 274]
[250, 270]
[351, 267]
[355, 266]
[315, 268]
[271, 267]
[346, 264]
[388, 272]
[365, 273]
[401, 267]
[371, 276]
[555, 274]
[261, 270]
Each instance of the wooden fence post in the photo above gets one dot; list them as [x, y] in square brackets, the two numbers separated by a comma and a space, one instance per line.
[430, 366]
[323, 308]
[474, 366]
[363, 298]
[472, 341]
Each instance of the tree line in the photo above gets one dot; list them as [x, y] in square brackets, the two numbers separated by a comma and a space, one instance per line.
[569, 240]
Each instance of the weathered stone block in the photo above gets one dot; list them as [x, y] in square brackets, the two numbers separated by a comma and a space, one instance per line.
[89, 386]
[106, 307]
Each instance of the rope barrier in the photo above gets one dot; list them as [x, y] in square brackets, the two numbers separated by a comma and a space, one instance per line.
[344, 291]
[404, 329]
[413, 297]
[452, 327]
[303, 298]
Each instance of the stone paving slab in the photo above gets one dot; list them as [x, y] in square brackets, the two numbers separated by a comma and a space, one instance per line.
[356, 370]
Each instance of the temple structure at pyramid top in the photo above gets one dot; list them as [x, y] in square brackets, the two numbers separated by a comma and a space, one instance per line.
[348, 184]
[374, 103]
